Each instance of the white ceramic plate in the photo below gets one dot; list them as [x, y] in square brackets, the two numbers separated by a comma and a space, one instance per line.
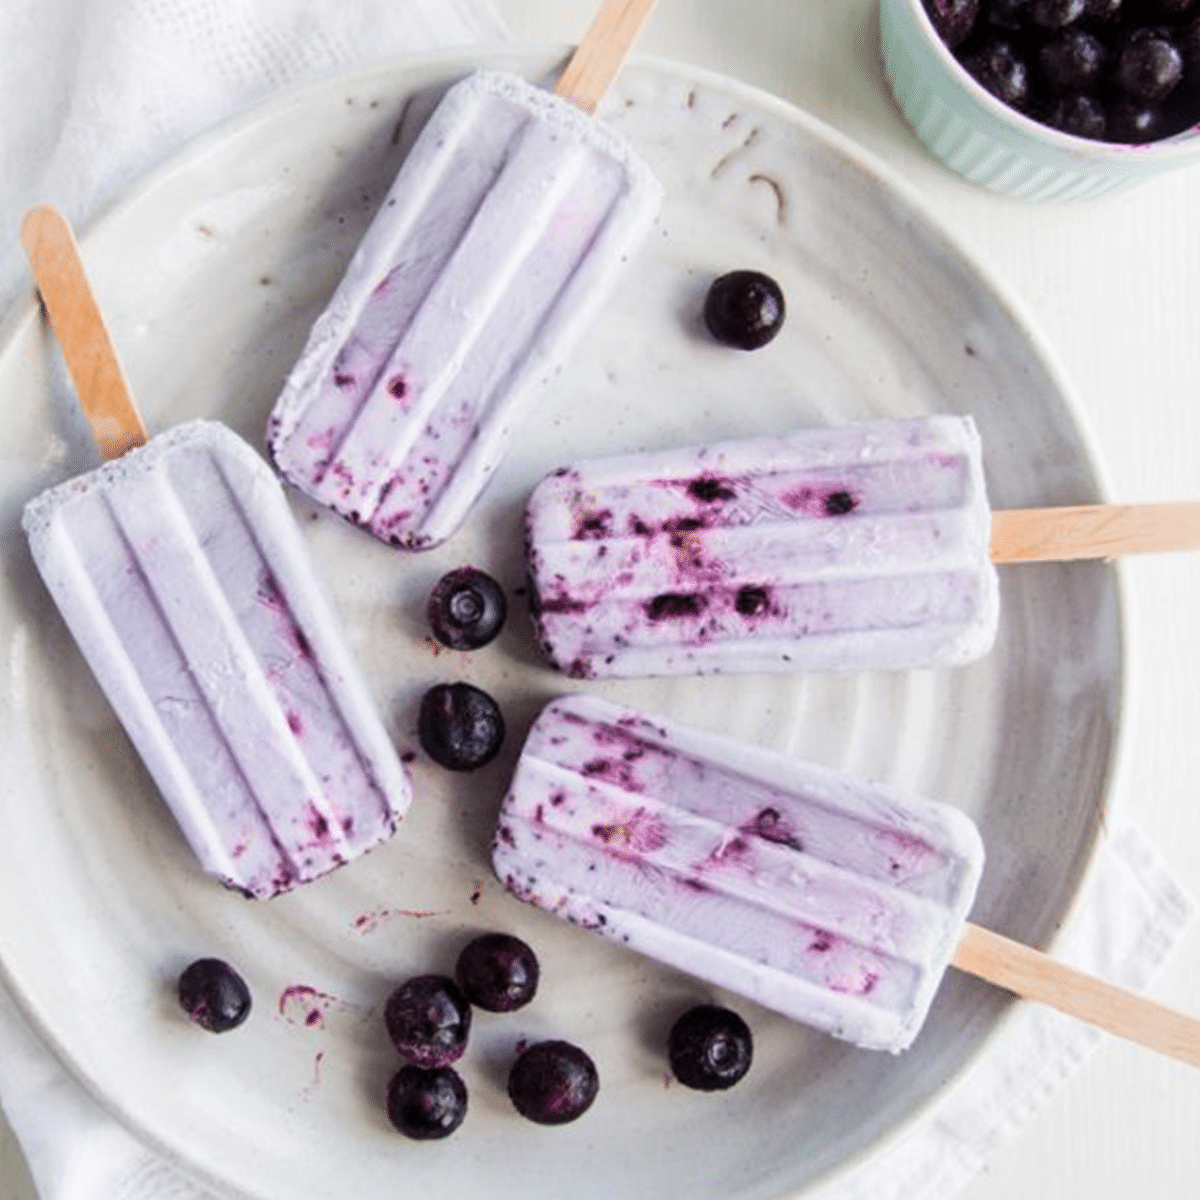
[210, 274]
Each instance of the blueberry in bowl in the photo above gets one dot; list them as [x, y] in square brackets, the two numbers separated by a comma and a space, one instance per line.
[1049, 99]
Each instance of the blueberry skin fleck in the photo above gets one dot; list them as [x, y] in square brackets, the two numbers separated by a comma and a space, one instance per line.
[459, 726]
[744, 309]
[752, 601]
[426, 1104]
[428, 1019]
[214, 995]
[466, 609]
[497, 972]
[553, 1083]
[710, 1048]
[673, 605]
[839, 504]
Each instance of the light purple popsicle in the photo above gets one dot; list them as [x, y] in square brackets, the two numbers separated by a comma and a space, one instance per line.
[859, 547]
[181, 573]
[834, 901]
[509, 221]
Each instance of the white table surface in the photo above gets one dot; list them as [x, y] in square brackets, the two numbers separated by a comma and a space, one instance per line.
[1114, 287]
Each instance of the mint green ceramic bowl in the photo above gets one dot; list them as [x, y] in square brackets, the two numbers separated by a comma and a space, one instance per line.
[990, 144]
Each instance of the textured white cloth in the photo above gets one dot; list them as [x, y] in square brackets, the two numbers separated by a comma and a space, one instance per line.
[100, 92]
[1131, 916]
[97, 92]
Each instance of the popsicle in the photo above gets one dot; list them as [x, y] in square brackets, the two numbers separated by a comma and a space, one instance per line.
[867, 546]
[506, 227]
[185, 581]
[834, 901]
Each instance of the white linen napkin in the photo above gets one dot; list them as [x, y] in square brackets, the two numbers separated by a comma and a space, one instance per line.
[97, 92]
[1128, 920]
[105, 89]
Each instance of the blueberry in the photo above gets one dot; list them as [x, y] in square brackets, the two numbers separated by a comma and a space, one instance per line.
[459, 726]
[428, 1020]
[1080, 115]
[1008, 14]
[1134, 121]
[1072, 61]
[1190, 43]
[214, 995]
[466, 609]
[426, 1104]
[553, 1083]
[998, 68]
[953, 19]
[498, 972]
[1149, 67]
[744, 309]
[1101, 69]
[1056, 14]
[710, 1048]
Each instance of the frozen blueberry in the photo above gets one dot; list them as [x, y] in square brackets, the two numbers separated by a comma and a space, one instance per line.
[710, 1048]
[998, 68]
[1080, 115]
[426, 1104]
[1008, 14]
[1072, 61]
[428, 1020]
[744, 309]
[1150, 66]
[1190, 41]
[1056, 14]
[466, 609]
[459, 726]
[214, 995]
[953, 19]
[498, 972]
[553, 1083]
[1103, 10]
[1133, 121]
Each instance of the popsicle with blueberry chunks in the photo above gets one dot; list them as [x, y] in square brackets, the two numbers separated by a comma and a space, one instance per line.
[508, 224]
[835, 901]
[865, 546]
[183, 577]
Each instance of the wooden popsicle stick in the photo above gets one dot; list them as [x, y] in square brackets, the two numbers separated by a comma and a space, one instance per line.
[599, 57]
[1094, 531]
[1037, 976]
[91, 357]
